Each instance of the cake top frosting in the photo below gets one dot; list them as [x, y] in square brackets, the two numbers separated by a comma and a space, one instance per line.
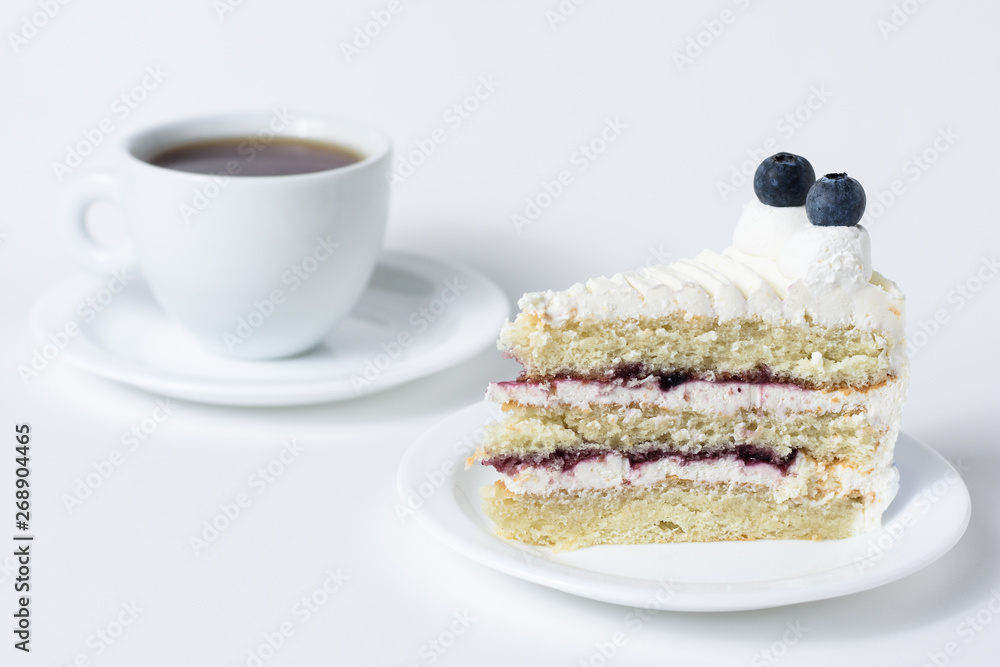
[795, 264]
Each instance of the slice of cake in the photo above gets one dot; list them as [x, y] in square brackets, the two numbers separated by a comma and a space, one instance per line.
[750, 394]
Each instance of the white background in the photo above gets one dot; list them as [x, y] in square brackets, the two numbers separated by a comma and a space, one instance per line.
[886, 97]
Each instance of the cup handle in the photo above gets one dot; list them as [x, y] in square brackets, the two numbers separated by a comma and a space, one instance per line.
[82, 194]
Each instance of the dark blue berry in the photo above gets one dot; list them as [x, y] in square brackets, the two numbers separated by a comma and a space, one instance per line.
[837, 200]
[783, 180]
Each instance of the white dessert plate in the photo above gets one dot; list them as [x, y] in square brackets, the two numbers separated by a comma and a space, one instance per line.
[448, 313]
[926, 519]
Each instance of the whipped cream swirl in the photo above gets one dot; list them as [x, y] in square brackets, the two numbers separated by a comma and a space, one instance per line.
[818, 256]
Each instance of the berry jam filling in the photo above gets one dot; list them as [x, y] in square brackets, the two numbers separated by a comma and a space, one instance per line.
[566, 460]
[637, 373]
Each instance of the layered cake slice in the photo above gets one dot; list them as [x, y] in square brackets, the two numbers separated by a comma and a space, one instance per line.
[749, 394]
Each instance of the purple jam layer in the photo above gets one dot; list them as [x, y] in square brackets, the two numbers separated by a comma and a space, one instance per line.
[637, 372]
[565, 460]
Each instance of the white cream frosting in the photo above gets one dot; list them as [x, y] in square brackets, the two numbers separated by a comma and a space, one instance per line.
[764, 230]
[827, 481]
[881, 406]
[826, 256]
[781, 269]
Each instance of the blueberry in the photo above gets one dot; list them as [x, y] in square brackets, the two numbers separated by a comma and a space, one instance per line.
[783, 180]
[837, 200]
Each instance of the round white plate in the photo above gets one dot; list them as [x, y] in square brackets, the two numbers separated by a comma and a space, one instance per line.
[925, 520]
[131, 339]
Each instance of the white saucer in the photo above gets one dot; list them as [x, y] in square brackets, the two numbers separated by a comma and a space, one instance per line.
[926, 519]
[132, 341]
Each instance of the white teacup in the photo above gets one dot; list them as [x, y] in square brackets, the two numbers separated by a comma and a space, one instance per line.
[257, 267]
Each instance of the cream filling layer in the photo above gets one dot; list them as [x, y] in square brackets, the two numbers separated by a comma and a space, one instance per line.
[882, 405]
[806, 479]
